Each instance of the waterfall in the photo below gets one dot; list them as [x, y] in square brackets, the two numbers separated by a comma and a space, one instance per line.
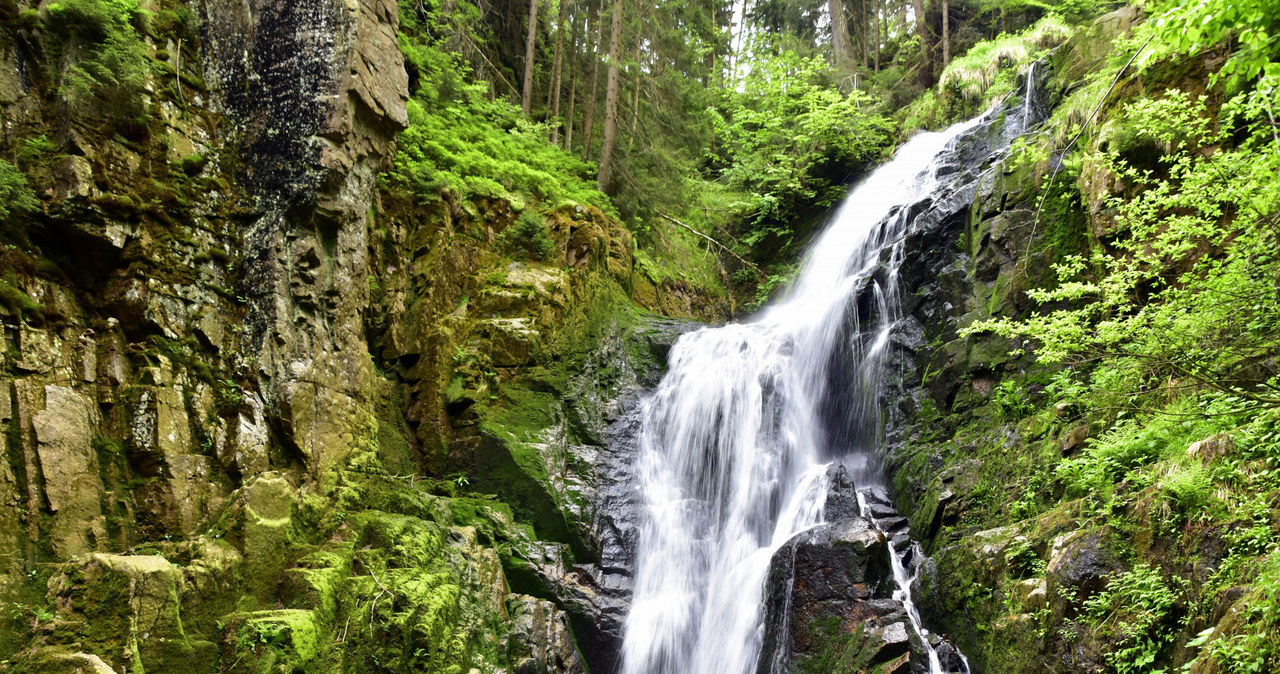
[736, 439]
[1029, 97]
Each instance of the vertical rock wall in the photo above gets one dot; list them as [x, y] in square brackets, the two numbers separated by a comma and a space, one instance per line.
[316, 93]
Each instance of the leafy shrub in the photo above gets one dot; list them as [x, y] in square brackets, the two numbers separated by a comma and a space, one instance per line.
[793, 141]
[1256, 647]
[15, 195]
[110, 58]
[1136, 442]
[528, 236]
[1010, 401]
[1187, 490]
[1135, 611]
[460, 140]
[1189, 294]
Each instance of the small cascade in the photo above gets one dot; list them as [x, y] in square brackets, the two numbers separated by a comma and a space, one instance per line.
[735, 442]
[906, 568]
[1028, 97]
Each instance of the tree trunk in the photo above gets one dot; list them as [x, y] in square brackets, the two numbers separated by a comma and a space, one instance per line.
[589, 121]
[926, 50]
[573, 87]
[841, 47]
[635, 115]
[553, 95]
[611, 99]
[875, 31]
[946, 33]
[526, 98]
[864, 40]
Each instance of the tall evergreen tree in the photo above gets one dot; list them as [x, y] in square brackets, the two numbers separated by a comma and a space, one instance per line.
[530, 42]
[611, 100]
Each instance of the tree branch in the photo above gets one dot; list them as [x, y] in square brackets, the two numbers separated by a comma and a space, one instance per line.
[760, 273]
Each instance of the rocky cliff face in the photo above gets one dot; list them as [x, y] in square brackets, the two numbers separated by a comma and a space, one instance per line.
[969, 449]
[243, 388]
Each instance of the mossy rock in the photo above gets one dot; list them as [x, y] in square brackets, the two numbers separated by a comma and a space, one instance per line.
[283, 641]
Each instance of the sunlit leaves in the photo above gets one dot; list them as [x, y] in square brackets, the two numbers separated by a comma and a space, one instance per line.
[1186, 288]
[791, 139]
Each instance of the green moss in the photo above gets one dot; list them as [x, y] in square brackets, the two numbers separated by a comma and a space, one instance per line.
[193, 164]
[277, 641]
[837, 650]
[17, 303]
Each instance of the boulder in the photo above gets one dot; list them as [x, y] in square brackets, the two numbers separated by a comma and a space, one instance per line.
[129, 608]
[512, 341]
[58, 660]
[1211, 448]
[832, 581]
[1079, 565]
[268, 502]
[1032, 594]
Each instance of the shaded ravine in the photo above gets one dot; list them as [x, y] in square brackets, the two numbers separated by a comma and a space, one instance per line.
[735, 444]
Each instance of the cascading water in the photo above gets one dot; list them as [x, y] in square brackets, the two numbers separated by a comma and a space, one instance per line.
[736, 439]
[1029, 98]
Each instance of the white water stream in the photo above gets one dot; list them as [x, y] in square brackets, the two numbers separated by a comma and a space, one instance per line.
[733, 452]
[736, 439]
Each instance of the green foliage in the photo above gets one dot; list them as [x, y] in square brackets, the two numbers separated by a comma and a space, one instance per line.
[36, 150]
[1135, 611]
[774, 283]
[1187, 489]
[1250, 25]
[1189, 292]
[528, 236]
[461, 140]
[988, 70]
[102, 38]
[15, 195]
[793, 141]
[1256, 647]
[1137, 441]
[483, 149]
[1011, 402]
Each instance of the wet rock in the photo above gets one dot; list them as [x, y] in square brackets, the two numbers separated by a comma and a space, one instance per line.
[1032, 594]
[949, 656]
[842, 495]
[72, 178]
[245, 452]
[540, 641]
[512, 341]
[1079, 566]
[894, 639]
[835, 574]
[1074, 439]
[59, 660]
[131, 601]
[268, 501]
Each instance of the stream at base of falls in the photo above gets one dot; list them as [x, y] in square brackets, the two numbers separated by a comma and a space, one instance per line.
[736, 442]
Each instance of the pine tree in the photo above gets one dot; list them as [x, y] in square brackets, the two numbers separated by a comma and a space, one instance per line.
[611, 100]
[526, 100]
